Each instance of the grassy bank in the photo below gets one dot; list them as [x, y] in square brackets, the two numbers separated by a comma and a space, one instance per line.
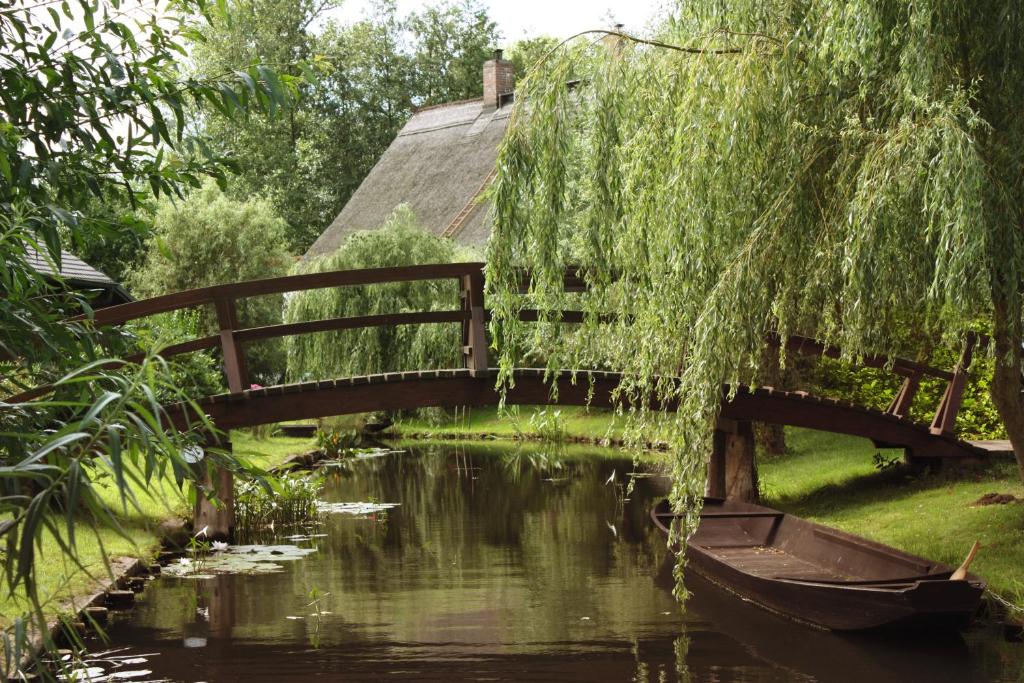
[573, 422]
[60, 580]
[832, 480]
[268, 452]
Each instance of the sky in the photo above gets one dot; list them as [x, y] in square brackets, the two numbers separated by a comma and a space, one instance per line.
[526, 18]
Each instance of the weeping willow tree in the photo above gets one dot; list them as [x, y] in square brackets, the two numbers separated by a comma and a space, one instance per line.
[400, 241]
[850, 171]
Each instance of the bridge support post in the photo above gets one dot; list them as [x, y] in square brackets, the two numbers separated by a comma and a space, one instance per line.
[474, 335]
[732, 469]
[218, 519]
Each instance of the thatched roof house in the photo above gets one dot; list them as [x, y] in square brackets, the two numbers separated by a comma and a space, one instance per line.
[439, 164]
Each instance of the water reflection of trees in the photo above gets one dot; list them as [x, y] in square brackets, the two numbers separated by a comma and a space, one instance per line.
[488, 537]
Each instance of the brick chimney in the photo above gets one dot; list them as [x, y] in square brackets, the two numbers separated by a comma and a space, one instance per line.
[499, 79]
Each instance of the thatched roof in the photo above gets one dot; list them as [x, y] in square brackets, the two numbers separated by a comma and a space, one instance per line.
[437, 165]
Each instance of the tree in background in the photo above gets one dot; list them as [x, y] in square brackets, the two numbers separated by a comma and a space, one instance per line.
[114, 235]
[311, 157]
[400, 241]
[450, 43]
[211, 239]
[527, 52]
[845, 170]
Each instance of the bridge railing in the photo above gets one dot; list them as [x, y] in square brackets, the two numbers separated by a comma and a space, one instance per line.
[912, 372]
[232, 337]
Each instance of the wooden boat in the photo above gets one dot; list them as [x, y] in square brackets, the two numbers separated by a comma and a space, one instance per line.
[821, 576]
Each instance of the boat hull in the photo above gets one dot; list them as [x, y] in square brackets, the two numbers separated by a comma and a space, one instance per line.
[779, 574]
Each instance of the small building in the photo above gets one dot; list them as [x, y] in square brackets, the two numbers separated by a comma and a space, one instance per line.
[440, 164]
[80, 276]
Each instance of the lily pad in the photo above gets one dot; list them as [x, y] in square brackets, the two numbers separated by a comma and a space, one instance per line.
[238, 559]
[353, 508]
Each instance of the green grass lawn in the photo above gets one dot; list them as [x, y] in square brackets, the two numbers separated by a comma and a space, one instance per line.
[59, 579]
[268, 451]
[831, 479]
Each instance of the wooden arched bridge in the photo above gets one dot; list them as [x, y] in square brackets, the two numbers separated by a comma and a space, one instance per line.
[473, 384]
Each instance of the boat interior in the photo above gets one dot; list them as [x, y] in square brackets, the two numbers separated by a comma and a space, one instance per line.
[772, 545]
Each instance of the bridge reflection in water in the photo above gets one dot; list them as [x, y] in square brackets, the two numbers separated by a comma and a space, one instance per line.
[506, 564]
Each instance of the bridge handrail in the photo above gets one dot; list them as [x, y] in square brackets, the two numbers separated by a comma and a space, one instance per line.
[122, 313]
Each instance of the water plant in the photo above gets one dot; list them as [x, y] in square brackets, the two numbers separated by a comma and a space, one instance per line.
[336, 443]
[316, 597]
[286, 500]
[548, 425]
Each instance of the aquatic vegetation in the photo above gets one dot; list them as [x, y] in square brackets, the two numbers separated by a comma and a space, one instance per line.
[237, 559]
[96, 667]
[357, 509]
[287, 499]
[336, 443]
[548, 426]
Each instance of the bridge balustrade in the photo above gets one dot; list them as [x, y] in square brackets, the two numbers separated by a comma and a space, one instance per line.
[472, 316]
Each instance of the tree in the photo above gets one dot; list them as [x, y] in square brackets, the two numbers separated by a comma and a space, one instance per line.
[450, 44]
[277, 153]
[400, 241]
[846, 170]
[525, 53]
[210, 239]
[93, 106]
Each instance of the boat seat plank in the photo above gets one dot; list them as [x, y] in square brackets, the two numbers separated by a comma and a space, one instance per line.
[771, 562]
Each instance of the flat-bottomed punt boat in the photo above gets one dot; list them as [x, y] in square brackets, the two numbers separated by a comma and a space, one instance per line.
[819, 575]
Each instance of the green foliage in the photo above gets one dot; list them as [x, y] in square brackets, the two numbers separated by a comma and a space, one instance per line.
[844, 170]
[451, 42]
[399, 242]
[547, 425]
[210, 239]
[363, 81]
[875, 388]
[114, 236]
[276, 502]
[94, 108]
[336, 442]
[526, 53]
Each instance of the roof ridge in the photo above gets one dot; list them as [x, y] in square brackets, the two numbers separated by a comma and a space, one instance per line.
[441, 105]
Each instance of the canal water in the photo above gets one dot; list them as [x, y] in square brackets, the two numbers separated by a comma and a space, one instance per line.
[509, 564]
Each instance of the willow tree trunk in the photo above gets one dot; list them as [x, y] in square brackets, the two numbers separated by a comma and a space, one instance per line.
[1006, 379]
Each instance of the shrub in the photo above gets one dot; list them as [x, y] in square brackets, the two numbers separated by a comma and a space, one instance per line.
[209, 239]
[399, 242]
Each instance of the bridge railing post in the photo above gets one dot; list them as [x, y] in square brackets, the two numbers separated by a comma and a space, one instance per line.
[945, 416]
[234, 354]
[900, 405]
[474, 333]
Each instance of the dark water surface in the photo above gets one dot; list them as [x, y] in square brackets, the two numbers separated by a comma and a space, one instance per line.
[505, 564]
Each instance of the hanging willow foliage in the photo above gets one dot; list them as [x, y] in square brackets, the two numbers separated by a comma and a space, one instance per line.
[400, 241]
[850, 171]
